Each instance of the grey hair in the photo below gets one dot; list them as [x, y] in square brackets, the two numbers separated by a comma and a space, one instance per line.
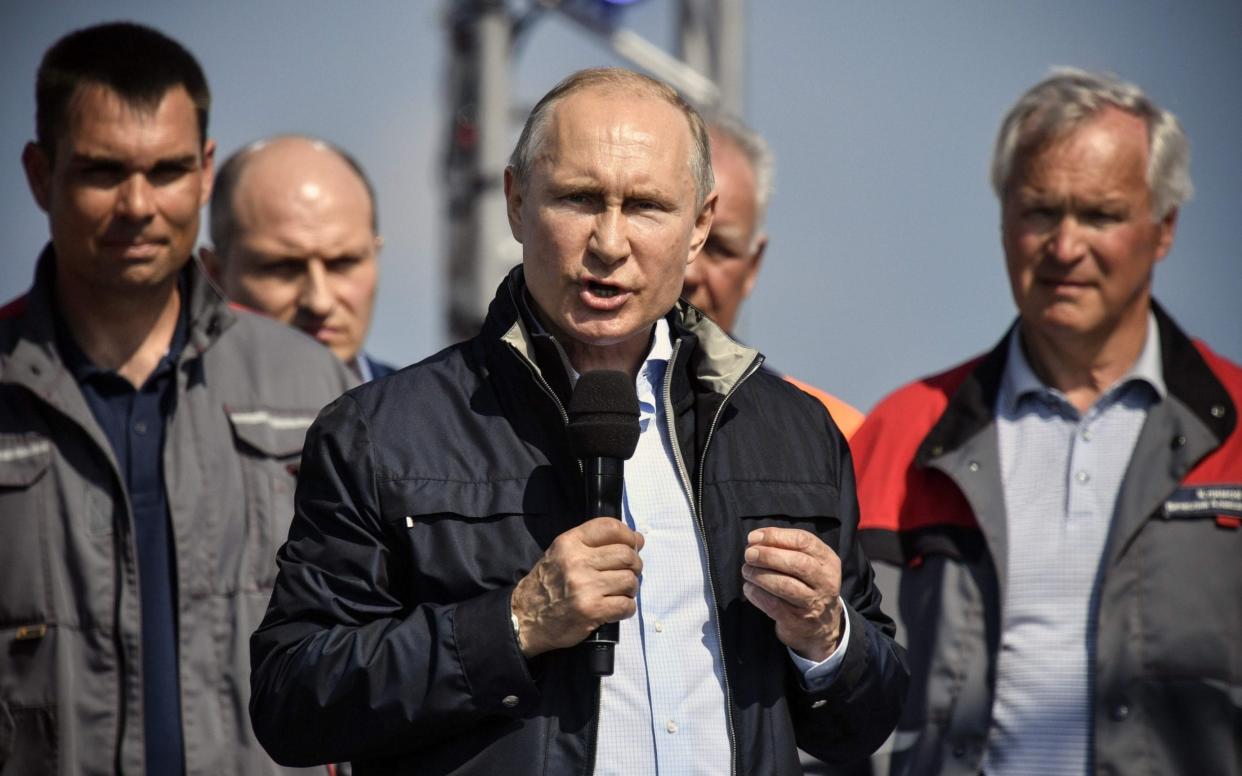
[1067, 99]
[522, 160]
[223, 215]
[757, 152]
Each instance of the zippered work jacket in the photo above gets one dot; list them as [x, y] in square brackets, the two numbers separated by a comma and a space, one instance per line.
[1167, 673]
[70, 631]
[423, 499]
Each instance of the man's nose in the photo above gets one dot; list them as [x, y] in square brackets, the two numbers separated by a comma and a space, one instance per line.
[609, 240]
[1067, 243]
[135, 198]
[317, 297]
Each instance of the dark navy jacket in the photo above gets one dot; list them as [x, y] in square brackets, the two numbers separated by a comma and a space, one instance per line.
[424, 497]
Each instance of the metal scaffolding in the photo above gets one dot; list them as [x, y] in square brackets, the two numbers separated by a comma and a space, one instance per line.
[708, 70]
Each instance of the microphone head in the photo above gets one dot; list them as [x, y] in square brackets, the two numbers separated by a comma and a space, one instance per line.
[603, 415]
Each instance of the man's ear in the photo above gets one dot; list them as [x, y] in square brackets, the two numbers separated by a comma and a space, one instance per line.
[38, 174]
[513, 203]
[1168, 228]
[702, 225]
[756, 258]
[209, 172]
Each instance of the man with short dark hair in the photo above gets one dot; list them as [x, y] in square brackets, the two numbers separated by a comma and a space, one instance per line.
[440, 576]
[148, 436]
[294, 235]
[724, 274]
[1067, 507]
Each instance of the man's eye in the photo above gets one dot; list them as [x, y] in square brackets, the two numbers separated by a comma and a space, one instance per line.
[102, 174]
[576, 198]
[343, 263]
[164, 174]
[718, 251]
[282, 269]
[1101, 217]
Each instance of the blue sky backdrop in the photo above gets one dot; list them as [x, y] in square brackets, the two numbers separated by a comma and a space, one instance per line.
[885, 259]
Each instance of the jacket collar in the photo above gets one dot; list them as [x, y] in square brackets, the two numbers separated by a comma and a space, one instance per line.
[209, 314]
[1186, 374]
[716, 361]
[31, 357]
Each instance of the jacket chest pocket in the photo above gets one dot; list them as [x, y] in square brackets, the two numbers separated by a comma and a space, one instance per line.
[811, 506]
[27, 504]
[269, 447]
[465, 538]
[1188, 566]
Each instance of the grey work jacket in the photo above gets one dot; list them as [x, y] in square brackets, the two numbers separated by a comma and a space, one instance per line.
[247, 388]
[1167, 672]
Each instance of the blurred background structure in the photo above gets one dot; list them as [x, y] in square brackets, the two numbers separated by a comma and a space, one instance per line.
[885, 259]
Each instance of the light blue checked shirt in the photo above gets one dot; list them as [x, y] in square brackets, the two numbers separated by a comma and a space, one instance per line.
[663, 710]
[1061, 472]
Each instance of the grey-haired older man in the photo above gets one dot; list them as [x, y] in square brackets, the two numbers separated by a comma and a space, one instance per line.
[1067, 507]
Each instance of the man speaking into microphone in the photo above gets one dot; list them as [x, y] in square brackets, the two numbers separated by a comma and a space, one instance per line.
[443, 570]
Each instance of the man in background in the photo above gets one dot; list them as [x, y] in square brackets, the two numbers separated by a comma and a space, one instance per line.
[1066, 508]
[148, 436]
[725, 272]
[295, 235]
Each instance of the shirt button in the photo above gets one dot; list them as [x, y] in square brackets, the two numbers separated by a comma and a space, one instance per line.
[670, 726]
[819, 704]
[1120, 712]
[1083, 477]
[509, 701]
[1086, 436]
[140, 428]
[659, 626]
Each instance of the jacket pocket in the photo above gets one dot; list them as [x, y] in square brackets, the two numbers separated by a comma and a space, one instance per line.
[28, 733]
[269, 446]
[25, 510]
[1187, 567]
[27, 741]
[792, 502]
[465, 538]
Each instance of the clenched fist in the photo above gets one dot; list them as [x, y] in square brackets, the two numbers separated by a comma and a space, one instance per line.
[589, 576]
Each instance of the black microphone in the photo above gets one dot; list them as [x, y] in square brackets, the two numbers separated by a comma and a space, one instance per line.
[603, 432]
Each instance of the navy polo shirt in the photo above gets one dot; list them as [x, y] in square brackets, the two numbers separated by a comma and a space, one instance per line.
[133, 420]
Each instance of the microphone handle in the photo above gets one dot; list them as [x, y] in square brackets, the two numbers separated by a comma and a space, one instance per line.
[605, 482]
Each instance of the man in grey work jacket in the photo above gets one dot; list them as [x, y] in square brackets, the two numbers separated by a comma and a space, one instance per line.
[148, 437]
[439, 574]
[1068, 507]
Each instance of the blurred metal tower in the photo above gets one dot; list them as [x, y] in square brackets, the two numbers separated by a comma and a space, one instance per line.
[708, 69]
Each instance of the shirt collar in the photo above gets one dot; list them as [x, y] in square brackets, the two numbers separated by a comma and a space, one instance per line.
[1020, 380]
[362, 367]
[651, 374]
[658, 353]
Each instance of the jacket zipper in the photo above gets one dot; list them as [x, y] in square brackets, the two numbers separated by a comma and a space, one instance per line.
[593, 737]
[698, 518]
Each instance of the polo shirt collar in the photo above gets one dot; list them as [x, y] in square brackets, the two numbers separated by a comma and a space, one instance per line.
[1019, 379]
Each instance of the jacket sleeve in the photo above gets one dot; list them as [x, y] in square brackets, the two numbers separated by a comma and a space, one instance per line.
[345, 665]
[849, 719]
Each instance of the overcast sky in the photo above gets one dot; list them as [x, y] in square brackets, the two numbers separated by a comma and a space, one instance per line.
[884, 262]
